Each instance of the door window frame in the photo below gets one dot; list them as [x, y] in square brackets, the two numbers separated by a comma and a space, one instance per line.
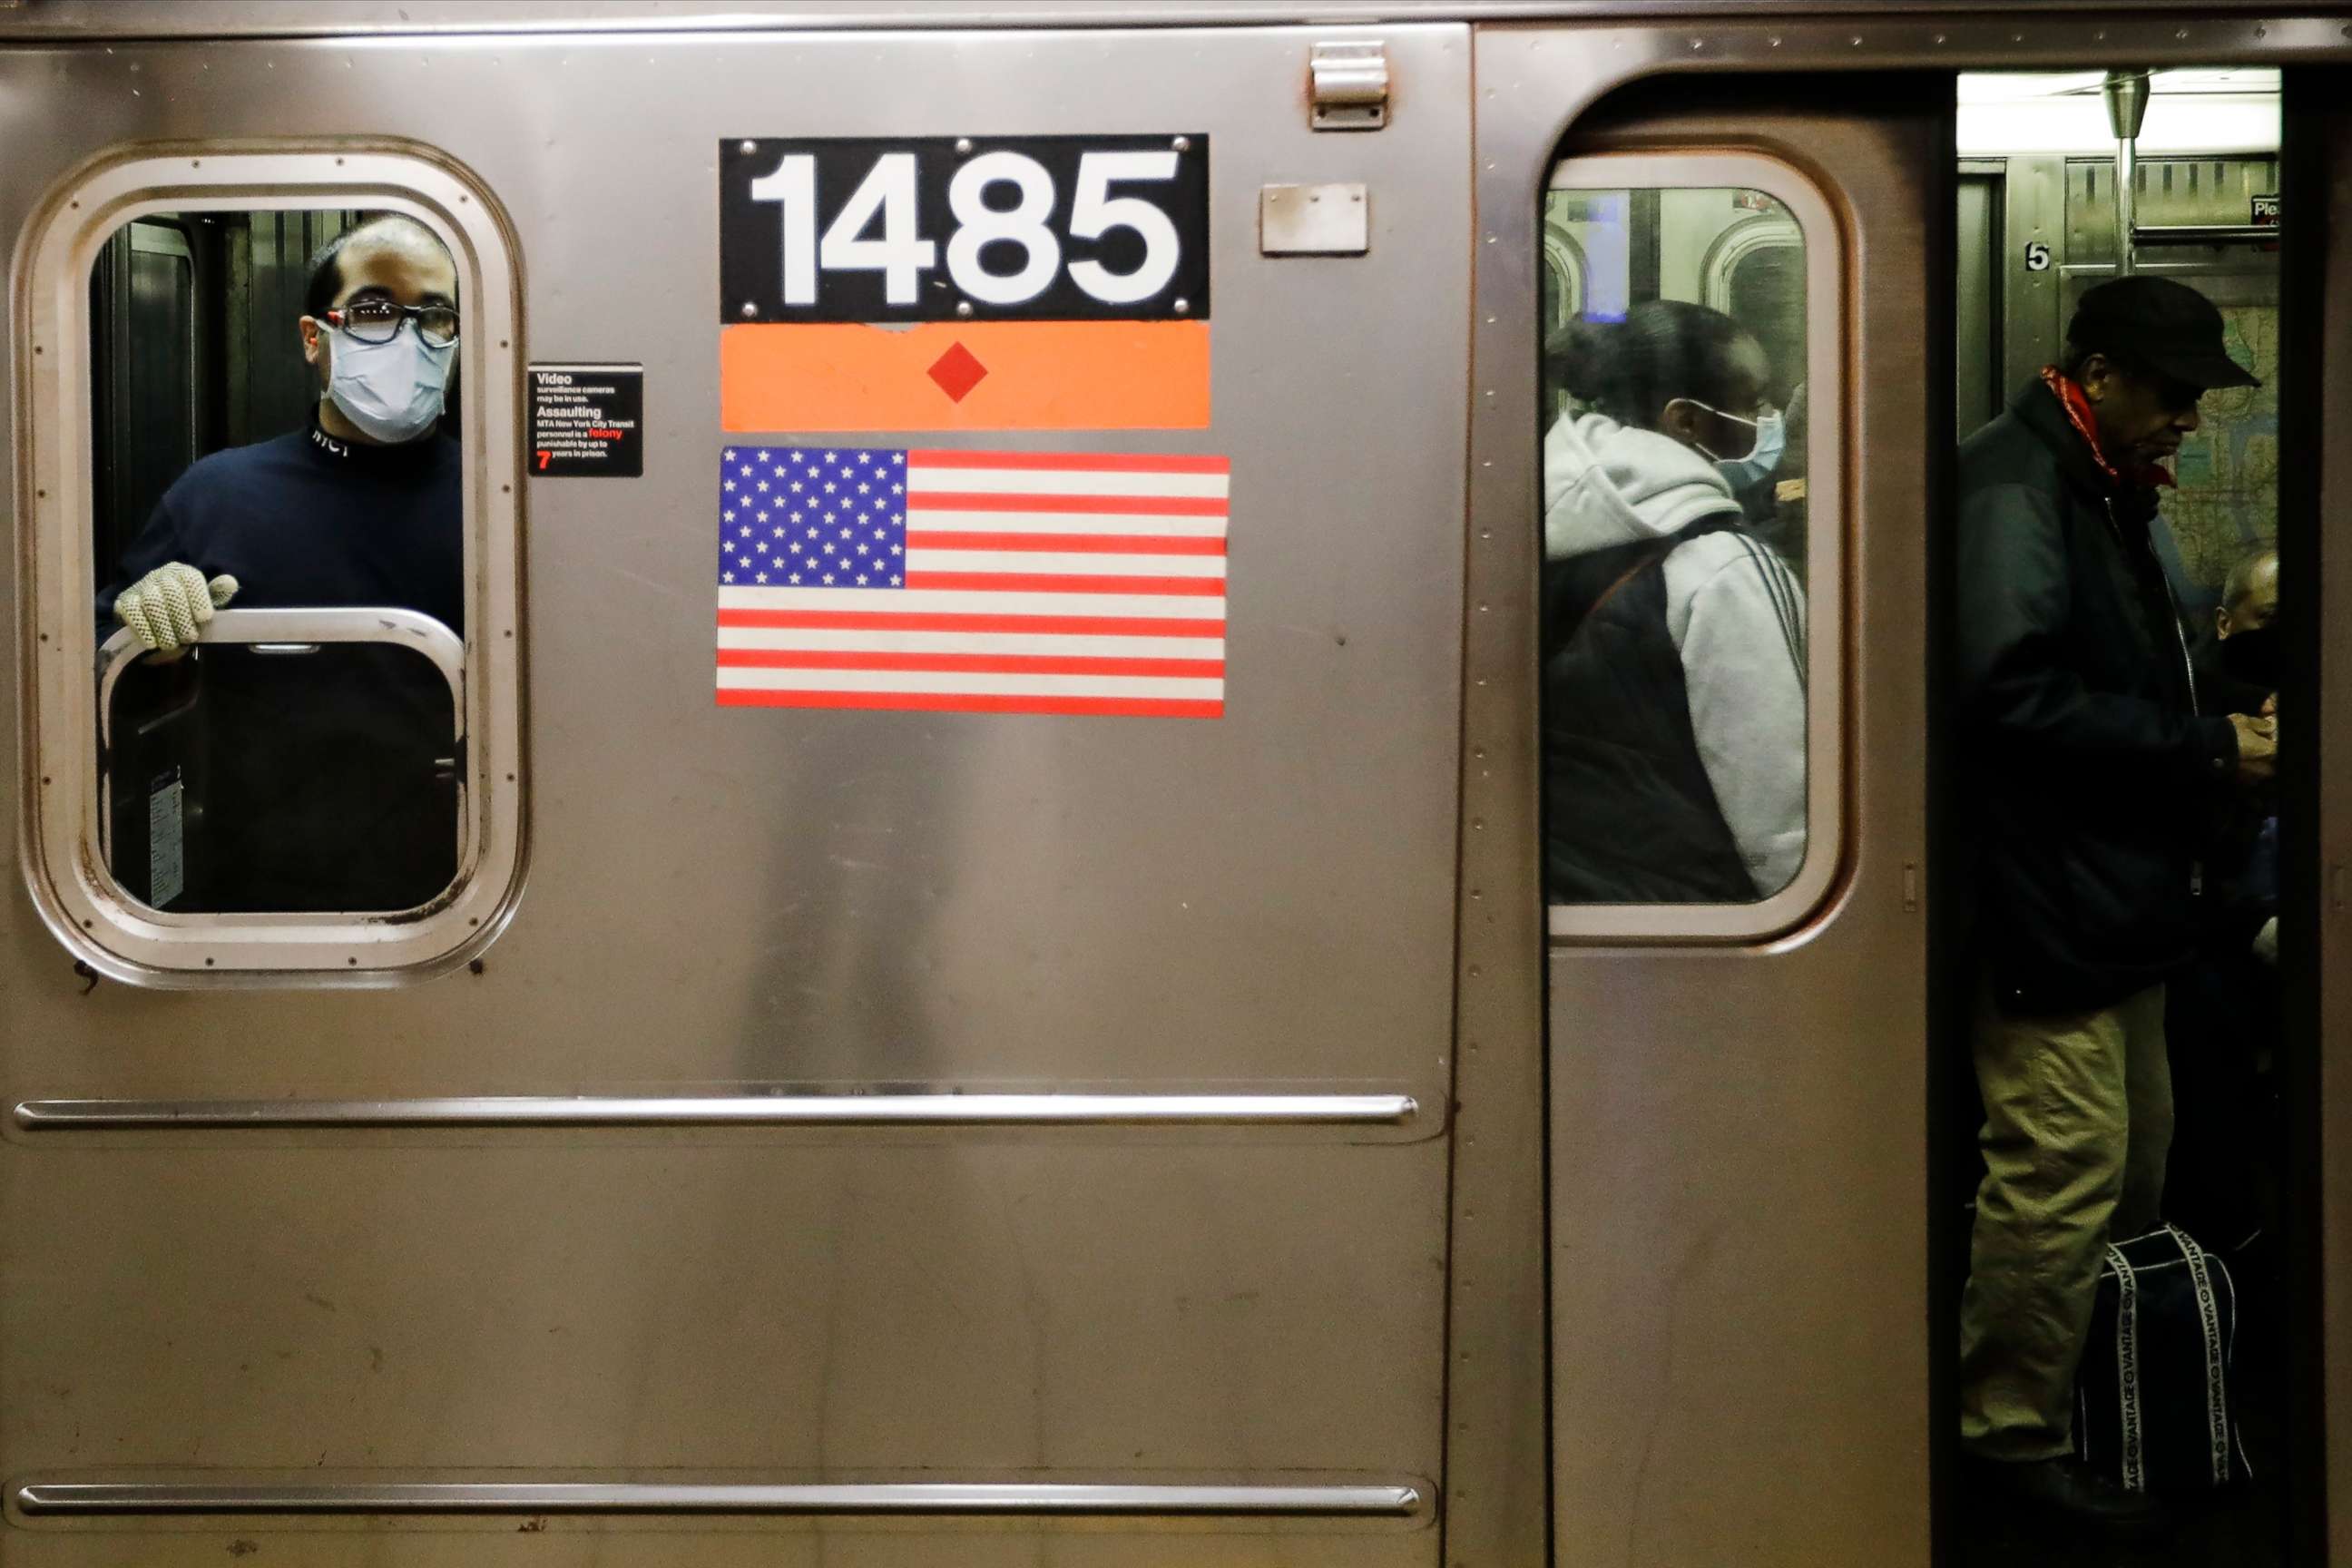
[64, 871]
[1824, 255]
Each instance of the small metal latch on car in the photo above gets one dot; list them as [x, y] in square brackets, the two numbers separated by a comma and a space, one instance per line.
[1351, 86]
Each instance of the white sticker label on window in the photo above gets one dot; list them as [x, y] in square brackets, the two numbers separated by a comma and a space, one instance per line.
[166, 866]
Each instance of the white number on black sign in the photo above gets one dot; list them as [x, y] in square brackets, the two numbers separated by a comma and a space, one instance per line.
[902, 256]
[1044, 227]
[978, 226]
[2037, 256]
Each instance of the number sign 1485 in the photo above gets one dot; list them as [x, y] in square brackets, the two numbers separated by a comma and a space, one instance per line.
[901, 254]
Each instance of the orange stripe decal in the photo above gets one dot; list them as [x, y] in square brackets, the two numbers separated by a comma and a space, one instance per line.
[1032, 375]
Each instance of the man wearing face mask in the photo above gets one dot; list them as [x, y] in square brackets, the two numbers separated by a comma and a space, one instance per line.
[325, 782]
[364, 506]
[2096, 779]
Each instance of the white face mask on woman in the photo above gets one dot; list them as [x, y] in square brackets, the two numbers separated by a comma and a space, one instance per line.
[392, 391]
[1763, 454]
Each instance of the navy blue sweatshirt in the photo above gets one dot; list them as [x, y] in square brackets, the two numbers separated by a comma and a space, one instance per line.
[313, 783]
[307, 521]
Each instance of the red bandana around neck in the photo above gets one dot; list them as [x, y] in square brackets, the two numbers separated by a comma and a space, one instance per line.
[2077, 404]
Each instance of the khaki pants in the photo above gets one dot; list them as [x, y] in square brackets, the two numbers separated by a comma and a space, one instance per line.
[2078, 1117]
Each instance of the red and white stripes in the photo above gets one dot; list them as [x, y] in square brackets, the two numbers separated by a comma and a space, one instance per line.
[1033, 583]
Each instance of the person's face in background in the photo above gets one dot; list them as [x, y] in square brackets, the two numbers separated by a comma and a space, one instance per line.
[1728, 429]
[2248, 627]
[2255, 609]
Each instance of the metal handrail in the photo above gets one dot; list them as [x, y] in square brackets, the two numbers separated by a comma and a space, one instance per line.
[903, 1499]
[860, 1110]
[289, 632]
[292, 628]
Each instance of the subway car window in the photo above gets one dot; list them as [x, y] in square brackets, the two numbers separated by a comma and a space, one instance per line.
[2121, 1369]
[277, 546]
[1674, 652]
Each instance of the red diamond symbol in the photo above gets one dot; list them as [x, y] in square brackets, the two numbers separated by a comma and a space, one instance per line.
[957, 371]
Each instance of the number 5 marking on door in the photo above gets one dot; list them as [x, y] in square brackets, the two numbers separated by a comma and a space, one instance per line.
[2037, 256]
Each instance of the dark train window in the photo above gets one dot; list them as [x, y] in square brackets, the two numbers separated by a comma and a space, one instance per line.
[1685, 751]
[295, 600]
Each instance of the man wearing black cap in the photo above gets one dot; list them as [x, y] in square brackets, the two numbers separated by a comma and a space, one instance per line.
[2092, 771]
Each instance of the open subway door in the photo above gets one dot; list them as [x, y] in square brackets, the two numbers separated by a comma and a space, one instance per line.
[1729, 1047]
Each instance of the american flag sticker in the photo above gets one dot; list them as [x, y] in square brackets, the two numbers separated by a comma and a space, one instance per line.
[972, 582]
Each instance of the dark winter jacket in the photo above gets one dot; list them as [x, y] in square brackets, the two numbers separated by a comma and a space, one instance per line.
[322, 783]
[2092, 779]
[1629, 814]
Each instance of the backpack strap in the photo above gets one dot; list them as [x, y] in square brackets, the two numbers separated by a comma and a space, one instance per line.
[2134, 1456]
[2209, 1319]
[1559, 635]
[1647, 559]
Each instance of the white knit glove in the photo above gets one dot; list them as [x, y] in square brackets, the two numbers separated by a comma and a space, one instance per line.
[164, 608]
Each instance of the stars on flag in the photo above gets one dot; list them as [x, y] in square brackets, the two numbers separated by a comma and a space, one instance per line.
[861, 517]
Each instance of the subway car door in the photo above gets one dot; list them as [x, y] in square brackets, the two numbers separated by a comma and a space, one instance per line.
[953, 1132]
[1731, 1049]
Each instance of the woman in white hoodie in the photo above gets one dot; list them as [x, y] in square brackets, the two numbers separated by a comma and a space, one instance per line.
[1673, 677]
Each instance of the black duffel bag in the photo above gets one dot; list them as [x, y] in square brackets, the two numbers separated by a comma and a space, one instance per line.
[2152, 1406]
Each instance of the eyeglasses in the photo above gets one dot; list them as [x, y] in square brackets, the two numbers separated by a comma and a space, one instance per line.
[378, 321]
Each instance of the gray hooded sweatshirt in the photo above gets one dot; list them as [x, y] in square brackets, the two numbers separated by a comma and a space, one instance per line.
[1734, 614]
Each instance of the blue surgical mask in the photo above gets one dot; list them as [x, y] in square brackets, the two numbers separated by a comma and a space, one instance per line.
[392, 391]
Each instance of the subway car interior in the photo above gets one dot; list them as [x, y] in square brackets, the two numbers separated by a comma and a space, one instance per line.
[2196, 151]
[872, 1125]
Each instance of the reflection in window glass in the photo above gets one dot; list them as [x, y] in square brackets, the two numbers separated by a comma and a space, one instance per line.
[273, 429]
[1766, 286]
[1673, 495]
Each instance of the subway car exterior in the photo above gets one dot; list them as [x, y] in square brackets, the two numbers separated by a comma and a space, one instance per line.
[1138, 1113]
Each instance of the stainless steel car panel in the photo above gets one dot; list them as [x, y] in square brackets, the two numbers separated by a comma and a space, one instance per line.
[1738, 1260]
[726, 909]
[724, 902]
[79, 19]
